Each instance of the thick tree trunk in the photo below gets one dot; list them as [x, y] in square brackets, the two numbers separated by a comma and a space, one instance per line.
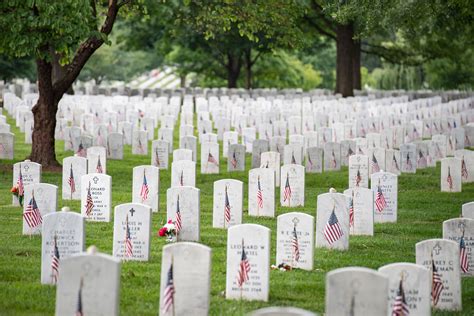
[44, 113]
[344, 68]
[182, 81]
[356, 76]
[58, 71]
[234, 63]
[248, 69]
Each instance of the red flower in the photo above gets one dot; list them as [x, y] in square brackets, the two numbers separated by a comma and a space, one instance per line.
[162, 231]
[170, 221]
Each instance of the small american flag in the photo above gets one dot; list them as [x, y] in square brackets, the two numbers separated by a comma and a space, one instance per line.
[436, 284]
[293, 159]
[464, 172]
[211, 159]
[400, 306]
[144, 190]
[409, 164]
[449, 179]
[451, 146]
[463, 259]
[178, 221]
[89, 202]
[110, 127]
[157, 158]
[81, 151]
[415, 133]
[55, 261]
[375, 164]
[332, 230]
[128, 240]
[21, 188]
[244, 268]
[99, 169]
[32, 214]
[168, 293]
[233, 161]
[333, 160]
[181, 178]
[310, 161]
[351, 211]
[395, 163]
[259, 194]
[380, 203]
[295, 245]
[100, 139]
[140, 146]
[79, 301]
[287, 191]
[227, 207]
[350, 152]
[421, 159]
[358, 178]
[72, 183]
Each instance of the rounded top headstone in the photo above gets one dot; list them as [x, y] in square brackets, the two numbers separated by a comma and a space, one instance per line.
[65, 209]
[27, 160]
[92, 250]
[332, 190]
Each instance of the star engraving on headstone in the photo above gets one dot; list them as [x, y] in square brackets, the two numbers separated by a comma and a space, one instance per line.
[62, 221]
[95, 179]
[437, 248]
[355, 285]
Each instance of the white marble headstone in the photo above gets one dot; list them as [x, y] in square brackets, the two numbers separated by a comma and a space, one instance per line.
[295, 240]
[73, 170]
[461, 231]
[96, 196]
[332, 221]
[190, 267]
[91, 282]
[292, 185]
[183, 173]
[361, 211]
[64, 230]
[160, 154]
[29, 172]
[146, 186]
[45, 197]
[254, 240]
[356, 291]
[132, 232]
[451, 175]
[442, 256]
[261, 192]
[388, 184]
[228, 203]
[416, 285]
[184, 202]
[358, 171]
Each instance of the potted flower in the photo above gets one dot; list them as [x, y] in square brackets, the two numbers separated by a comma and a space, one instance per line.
[168, 231]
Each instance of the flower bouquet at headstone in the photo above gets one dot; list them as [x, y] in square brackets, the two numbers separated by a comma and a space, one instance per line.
[168, 231]
[16, 191]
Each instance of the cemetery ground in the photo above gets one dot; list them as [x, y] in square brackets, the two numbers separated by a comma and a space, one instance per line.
[421, 210]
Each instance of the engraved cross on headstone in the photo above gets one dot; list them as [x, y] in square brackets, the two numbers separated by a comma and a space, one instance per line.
[95, 179]
[132, 210]
[437, 248]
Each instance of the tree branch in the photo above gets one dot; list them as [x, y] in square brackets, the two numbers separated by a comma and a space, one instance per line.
[319, 11]
[256, 58]
[320, 29]
[85, 51]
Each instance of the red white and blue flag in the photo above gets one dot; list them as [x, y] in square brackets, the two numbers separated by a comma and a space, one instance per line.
[463, 259]
[55, 261]
[400, 306]
[380, 202]
[295, 245]
[32, 214]
[227, 208]
[287, 190]
[244, 268]
[178, 221]
[89, 202]
[128, 240]
[168, 293]
[259, 194]
[144, 189]
[71, 181]
[436, 284]
[332, 230]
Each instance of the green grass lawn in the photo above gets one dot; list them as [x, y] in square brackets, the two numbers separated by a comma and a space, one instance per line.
[422, 209]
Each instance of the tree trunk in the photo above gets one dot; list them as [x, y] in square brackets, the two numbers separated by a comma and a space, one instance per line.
[234, 64]
[58, 71]
[44, 113]
[248, 69]
[344, 68]
[182, 81]
[356, 79]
